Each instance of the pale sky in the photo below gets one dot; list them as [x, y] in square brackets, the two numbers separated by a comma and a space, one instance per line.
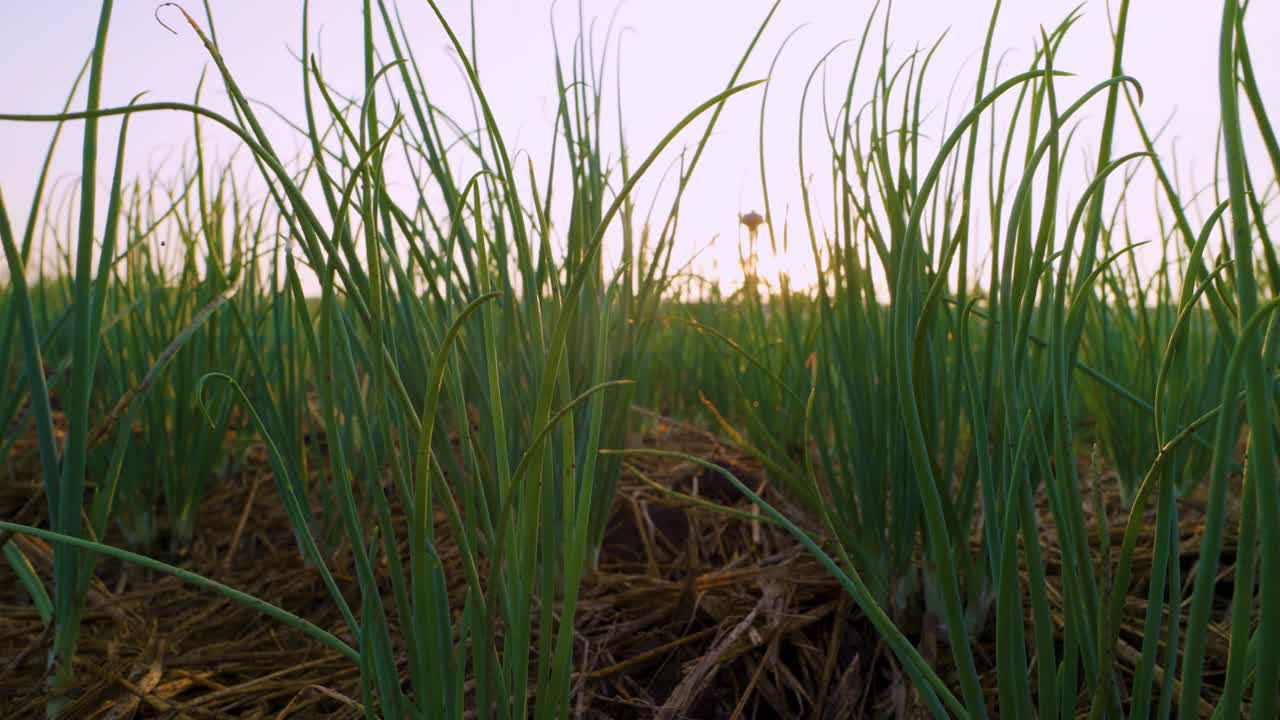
[675, 54]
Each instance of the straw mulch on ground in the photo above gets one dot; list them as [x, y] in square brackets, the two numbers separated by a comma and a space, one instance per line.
[691, 613]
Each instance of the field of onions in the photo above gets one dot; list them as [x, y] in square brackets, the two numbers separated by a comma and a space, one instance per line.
[286, 437]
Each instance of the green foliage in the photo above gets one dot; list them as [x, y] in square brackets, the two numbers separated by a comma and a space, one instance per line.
[468, 356]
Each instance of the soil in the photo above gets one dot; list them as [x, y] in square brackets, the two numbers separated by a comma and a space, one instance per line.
[689, 613]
